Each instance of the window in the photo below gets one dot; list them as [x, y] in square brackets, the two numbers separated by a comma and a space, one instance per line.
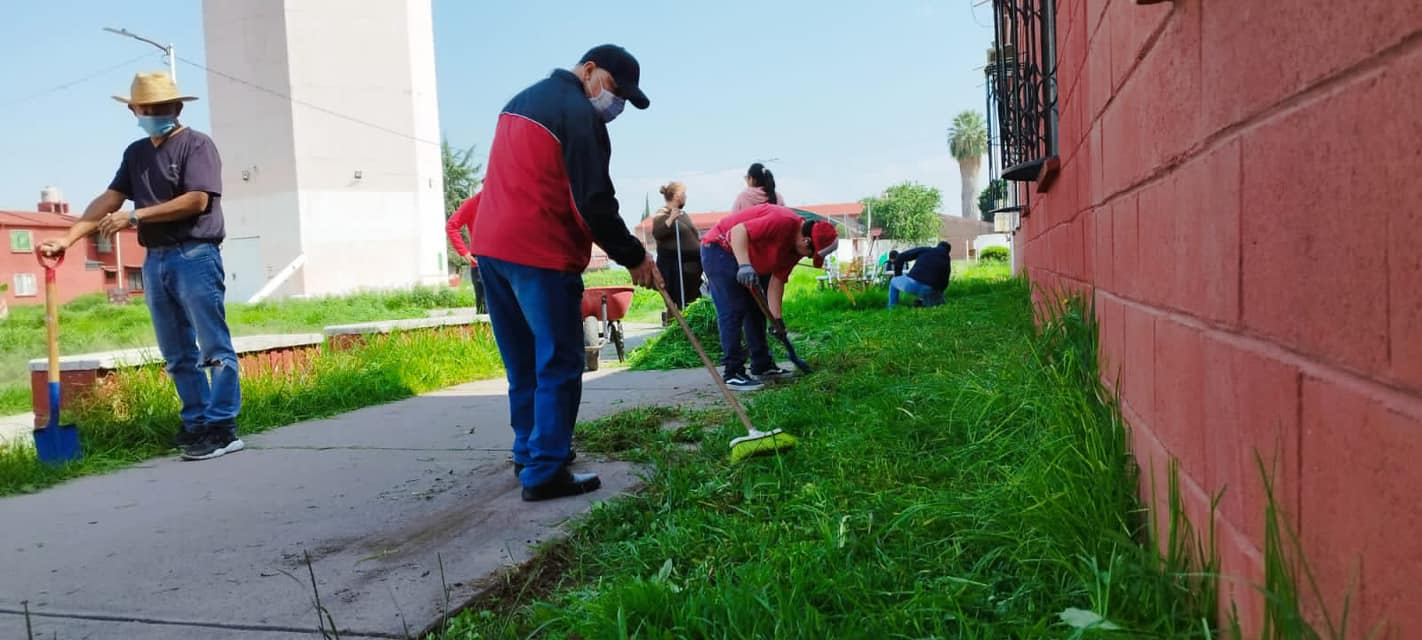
[103, 243]
[25, 285]
[110, 276]
[134, 279]
[21, 241]
[1022, 83]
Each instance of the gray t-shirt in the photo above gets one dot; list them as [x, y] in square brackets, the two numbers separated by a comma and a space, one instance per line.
[187, 161]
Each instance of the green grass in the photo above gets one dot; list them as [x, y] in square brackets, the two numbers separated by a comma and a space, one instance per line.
[135, 414]
[960, 474]
[647, 305]
[90, 323]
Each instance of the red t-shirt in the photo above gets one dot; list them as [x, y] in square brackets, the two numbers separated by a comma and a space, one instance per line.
[773, 231]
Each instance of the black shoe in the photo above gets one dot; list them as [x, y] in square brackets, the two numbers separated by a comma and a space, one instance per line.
[742, 382]
[185, 438]
[772, 373]
[214, 443]
[572, 455]
[563, 485]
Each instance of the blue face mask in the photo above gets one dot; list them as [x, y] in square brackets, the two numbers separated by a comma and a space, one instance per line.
[156, 126]
[607, 105]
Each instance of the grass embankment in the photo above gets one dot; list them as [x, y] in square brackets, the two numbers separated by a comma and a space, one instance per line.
[90, 324]
[960, 474]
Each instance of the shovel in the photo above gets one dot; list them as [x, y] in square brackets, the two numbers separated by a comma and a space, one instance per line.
[54, 443]
[778, 329]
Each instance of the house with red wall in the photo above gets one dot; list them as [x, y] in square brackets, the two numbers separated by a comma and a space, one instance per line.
[92, 265]
[1236, 186]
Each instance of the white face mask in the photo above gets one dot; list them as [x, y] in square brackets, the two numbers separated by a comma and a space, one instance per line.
[607, 105]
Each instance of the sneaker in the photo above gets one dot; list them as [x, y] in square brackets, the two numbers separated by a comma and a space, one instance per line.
[563, 485]
[185, 438]
[215, 443]
[742, 382]
[773, 373]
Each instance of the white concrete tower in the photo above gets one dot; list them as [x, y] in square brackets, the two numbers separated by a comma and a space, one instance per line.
[325, 114]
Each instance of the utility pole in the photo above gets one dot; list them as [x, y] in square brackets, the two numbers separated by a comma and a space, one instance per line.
[166, 49]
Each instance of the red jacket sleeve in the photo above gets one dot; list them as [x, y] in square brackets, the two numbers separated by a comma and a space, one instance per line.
[463, 218]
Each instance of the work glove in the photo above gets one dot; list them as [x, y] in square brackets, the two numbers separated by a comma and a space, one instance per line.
[746, 275]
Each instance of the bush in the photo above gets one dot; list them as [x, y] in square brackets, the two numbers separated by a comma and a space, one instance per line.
[995, 254]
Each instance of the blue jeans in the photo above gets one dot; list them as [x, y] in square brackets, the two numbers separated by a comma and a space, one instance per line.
[540, 336]
[928, 295]
[736, 311]
[184, 286]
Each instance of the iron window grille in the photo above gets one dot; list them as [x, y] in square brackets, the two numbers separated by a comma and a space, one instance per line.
[1022, 87]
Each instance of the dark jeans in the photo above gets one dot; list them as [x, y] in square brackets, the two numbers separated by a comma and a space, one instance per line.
[688, 281]
[540, 336]
[736, 311]
[184, 286]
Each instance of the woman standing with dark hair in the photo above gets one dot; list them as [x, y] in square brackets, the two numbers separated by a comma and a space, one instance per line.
[678, 246]
[760, 189]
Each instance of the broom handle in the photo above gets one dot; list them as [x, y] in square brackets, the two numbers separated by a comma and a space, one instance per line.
[777, 323]
[696, 344]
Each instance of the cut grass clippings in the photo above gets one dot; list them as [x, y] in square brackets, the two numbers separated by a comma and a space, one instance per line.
[134, 415]
[959, 475]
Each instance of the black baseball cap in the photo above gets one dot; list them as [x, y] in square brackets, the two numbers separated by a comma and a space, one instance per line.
[624, 69]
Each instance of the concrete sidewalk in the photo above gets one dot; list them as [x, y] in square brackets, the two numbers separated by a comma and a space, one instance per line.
[19, 427]
[377, 497]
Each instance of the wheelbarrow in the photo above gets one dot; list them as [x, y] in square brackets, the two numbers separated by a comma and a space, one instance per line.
[603, 310]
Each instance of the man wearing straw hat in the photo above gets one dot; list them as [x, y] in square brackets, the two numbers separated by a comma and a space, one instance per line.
[174, 178]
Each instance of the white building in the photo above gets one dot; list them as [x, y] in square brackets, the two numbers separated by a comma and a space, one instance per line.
[326, 117]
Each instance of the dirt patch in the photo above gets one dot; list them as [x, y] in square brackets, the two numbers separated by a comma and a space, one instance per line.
[504, 592]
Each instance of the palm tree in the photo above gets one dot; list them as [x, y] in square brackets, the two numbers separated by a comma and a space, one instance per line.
[968, 141]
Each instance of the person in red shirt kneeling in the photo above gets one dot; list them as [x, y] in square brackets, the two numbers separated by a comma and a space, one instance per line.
[757, 246]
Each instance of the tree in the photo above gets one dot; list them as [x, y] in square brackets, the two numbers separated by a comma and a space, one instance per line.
[907, 211]
[968, 141]
[461, 180]
[646, 206]
[991, 198]
[461, 176]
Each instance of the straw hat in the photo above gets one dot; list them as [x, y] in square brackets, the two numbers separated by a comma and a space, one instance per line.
[153, 88]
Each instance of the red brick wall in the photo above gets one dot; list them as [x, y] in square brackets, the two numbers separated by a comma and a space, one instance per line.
[1241, 186]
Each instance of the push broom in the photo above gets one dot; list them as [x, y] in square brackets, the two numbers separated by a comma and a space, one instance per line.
[755, 442]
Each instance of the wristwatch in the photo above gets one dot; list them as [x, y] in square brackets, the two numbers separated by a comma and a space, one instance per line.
[133, 218]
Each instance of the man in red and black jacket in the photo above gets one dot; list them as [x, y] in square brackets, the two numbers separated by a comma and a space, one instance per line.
[547, 198]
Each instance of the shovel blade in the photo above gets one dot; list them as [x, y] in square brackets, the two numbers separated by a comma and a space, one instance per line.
[58, 444]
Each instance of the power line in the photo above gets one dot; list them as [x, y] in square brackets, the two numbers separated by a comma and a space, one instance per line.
[303, 103]
[76, 82]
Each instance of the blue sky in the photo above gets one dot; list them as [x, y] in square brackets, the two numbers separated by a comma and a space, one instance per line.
[846, 97]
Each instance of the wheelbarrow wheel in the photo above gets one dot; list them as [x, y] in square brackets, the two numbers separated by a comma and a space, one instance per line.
[617, 340]
[592, 332]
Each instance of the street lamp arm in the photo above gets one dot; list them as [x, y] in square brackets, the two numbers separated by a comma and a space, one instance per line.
[166, 49]
[126, 32]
